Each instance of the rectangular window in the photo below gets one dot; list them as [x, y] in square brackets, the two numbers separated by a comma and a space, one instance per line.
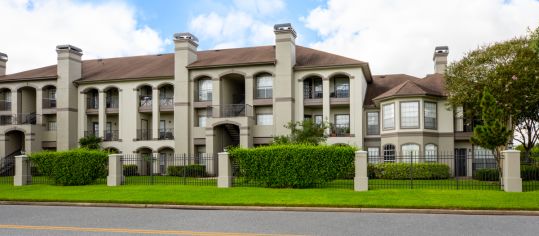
[430, 115]
[409, 114]
[342, 88]
[373, 125]
[389, 116]
[51, 126]
[205, 87]
[264, 87]
[342, 125]
[318, 119]
[373, 154]
[264, 119]
[202, 120]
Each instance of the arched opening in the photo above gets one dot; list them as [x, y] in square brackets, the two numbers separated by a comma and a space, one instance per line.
[225, 136]
[145, 118]
[232, 96]
[5, 99]
[49, 97]
[312, 88]
[166, 158]
[166, 112]
[14, 142]
[112, 122]
[339, 86]
[26, 106]
[144, 161]
[92, 106]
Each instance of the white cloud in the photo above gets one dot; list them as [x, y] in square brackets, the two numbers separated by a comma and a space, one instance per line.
[242, 25]
[400, 36]
[32, 29]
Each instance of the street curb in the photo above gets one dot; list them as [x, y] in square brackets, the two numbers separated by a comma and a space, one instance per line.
[276, 208]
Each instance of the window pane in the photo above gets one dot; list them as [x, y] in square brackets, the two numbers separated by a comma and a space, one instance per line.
[430, 115]
[318, 119]
[389, 153]
[431, 153]
[202, 121]
[342, 120]
[389, 116]
[373, 154]
[410, 152]
[204, 90]
[410, 114]
[264, 119]
[373, 126]
[264, 86]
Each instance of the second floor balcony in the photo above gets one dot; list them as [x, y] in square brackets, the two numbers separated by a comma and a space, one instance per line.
[231, 110]
[5, 105]
[49, 105]
[166, 134]
[340, 130]
[111, 135]
[20, 119]
[166, 104]
[145, 103]
[144, 134]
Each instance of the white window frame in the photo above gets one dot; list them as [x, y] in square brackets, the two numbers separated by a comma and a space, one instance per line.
[426, 114]
[369, 123]
[265, 88]
[402, 111]
[264, 119]
[431, 152]
[407, 154]
[373, 155]
[388, 122]
[205, 94]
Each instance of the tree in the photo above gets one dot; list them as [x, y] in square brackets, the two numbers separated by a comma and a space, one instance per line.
[90, 142]
[304, 132]
[510, 71]
[493, 134]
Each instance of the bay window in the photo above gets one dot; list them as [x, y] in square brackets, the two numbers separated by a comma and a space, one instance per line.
[409, 112]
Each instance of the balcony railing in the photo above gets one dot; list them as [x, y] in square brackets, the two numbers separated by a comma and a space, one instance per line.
[340, 130]
[264, 93]
[231, 110]
[466, 124]
[340, 94]
[144, 134]
[91, 133]
[111, 103]
[5, 105]
[111, 135]
[145, 102]
[49, 103]
[309, 92]
[166, 134]
[92, 103]
[19, 119]
[166, 103]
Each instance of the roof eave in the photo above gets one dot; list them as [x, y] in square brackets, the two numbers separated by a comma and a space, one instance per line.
[82, 81]
[232, 65]
[30, 78]
[377, 100]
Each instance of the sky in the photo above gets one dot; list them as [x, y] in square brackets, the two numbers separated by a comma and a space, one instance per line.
[392, 36]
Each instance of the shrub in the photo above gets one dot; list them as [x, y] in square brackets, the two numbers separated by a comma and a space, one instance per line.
[296, 166]
[130, 170]
[73, 167]
[417, 170]
[371, 171]
[529, 172]
[486, 175]
[187, 171]
[90, 142]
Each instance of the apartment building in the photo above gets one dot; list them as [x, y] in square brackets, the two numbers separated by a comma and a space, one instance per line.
[193, 101]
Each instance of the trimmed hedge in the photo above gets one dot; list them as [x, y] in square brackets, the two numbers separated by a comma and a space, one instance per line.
[73, 167]
[130, 170]
[403, 171]
[294, 166]
[187, 171]
[486, 174]
[529, 172]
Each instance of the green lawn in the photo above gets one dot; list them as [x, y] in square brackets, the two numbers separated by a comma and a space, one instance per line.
[208, 195]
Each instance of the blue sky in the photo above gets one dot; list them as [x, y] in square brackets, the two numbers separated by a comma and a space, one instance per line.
[393, 36]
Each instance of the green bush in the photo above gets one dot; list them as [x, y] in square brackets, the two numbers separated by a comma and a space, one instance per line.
[371, 171]
[486, 175]
[130, 170]
[295, 166]
[417, 170]
[73, 167]
[529, 172]
[187, 171]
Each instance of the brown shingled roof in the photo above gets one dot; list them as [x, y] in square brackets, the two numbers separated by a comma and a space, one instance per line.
[382, 83]
[156, 66]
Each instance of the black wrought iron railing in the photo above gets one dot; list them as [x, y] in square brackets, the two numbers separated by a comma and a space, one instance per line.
[340, 94]
[310, 92]
[91, 133]
[340, 130]
[144, 134]
[166, 102]
[19, 119]
[232, 110]
[166, 134]
[5, 105]
[112, 102]
[111, 135]
[145, 101]
[92, 103]
[49, 103]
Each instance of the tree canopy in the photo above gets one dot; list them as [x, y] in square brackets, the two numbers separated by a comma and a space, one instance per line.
[303, 132]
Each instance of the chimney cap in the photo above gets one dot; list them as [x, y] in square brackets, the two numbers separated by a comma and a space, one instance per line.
[441, 50]
[284, 26]
[68, 47]
[186, 35]
[3, 56]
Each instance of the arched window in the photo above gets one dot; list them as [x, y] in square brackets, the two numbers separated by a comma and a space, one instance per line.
[264, 86]
[389, 153]
[410, 152]
[205, 90]
[431, 152]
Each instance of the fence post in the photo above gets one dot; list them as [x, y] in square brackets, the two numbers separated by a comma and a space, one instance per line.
[361, 180]
[225, 171]
[511, 171]
[116, 173]
[22, 171]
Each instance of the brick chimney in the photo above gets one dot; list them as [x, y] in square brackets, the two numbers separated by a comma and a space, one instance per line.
[440, 59]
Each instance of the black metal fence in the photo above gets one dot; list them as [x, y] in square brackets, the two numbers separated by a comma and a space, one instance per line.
[529, 172]
[434, 170]
[7, 169]
[164, 168]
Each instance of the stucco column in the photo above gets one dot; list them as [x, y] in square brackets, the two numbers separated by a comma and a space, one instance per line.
[225, 171]
[512, 181]
[249, 90]
[210, 145]
[83, 118]
[300, 109]
[15, 102]
[246, 138]
[102, 117]
[116, 174]
[39, 106]
[155, 113]
[22, 171]
[325, 102]
[121, 116]
[361, 180]
[216, 96]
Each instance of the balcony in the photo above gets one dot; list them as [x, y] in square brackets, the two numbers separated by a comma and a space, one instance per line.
[5, 105]
[166, 104]
[92, 105]
[231, 110]
[111, 135]
[19, 119]
[166, 134]
[144, 134]
[111, 105]
[340, 131]
[464, 127]
[49, 105]
[145, 103]
[91, 133]
[340, 97]
[312, 96]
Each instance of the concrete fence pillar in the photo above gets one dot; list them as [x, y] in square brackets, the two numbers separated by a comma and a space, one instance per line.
[116, 174]
[224, 179]
[361, 180]
[22, 171]
[511, 171]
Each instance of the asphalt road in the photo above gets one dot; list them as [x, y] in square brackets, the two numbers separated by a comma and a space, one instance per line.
[51, 220]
